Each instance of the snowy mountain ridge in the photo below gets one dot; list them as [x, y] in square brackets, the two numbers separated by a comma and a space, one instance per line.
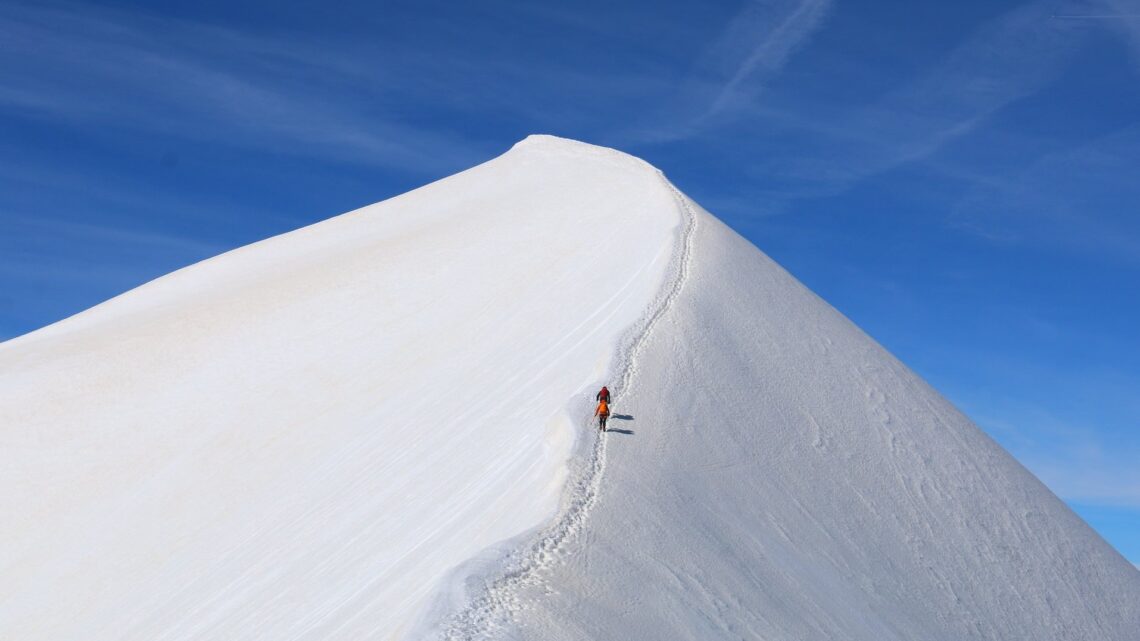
[379, 427]
[525, 561]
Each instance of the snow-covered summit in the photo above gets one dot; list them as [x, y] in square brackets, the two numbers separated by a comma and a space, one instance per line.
[548, 144]
[551, 142]
[377, 427]
[301, 438]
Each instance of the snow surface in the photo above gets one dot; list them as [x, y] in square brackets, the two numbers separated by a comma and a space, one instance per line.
[300, 439]
[781, 476]
[366, 429]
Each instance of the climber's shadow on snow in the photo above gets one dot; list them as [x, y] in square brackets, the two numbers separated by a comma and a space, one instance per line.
[620, 417]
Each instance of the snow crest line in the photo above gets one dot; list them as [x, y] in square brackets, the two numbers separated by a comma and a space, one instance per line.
[498, 603]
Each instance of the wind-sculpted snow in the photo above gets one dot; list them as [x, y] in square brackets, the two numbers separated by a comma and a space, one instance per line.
[304, 438]
[786, 478]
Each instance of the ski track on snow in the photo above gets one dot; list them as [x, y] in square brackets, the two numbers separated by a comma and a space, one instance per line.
[497, 604]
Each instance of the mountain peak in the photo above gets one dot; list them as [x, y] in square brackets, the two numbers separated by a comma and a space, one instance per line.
[550, 141]
[334, 433]
[549, 144]
[354, 408]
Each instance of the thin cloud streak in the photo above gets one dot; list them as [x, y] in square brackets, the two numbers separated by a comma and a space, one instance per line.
[1070, 199]
[1074, 462]
[751, 50]
[1091, 477]
[1010, 58]
[1128, 25]
[761, 50]
[81, 233]
[200, 82]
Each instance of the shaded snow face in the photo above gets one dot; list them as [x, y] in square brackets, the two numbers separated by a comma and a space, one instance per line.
[783, 477]
[300, 439]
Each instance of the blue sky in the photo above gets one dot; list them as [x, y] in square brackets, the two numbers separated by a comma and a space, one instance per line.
[960, 178]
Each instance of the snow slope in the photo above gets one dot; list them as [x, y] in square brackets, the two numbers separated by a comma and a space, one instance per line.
[780, 476]
[302, 438]
[366, 429]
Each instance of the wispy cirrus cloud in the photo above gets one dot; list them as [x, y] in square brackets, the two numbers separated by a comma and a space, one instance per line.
[1124, 15]
[1081, 467]
[1082, 463]
[1010, 57]
[86, 65]
[47, 263]
[1069, 417]
[733, 69]
[756, 45]
[1078, 198]
[347, 99]
[72, 237]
